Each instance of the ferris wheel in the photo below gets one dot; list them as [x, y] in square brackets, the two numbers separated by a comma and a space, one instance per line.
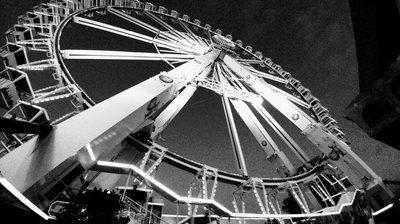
[62, 141]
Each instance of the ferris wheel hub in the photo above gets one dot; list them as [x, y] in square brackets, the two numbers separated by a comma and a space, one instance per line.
[166, 78]
[223, 41]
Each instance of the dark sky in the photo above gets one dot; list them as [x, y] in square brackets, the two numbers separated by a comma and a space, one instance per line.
[312, 39]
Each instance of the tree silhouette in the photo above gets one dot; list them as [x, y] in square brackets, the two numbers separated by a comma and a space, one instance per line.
[290, 205]
[93, 207]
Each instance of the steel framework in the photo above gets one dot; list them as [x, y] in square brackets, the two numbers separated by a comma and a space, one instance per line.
[89, 138]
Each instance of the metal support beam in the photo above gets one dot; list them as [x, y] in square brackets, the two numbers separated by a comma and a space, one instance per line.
[95, 131]
[352, 166]
[263, 138]
[215, 206]
[268, 76]
[156, 31]
[169, 28]
[134, 35]
[124, 55]
[260, 203]
[214, 187]
[237, 149]
[298, 151]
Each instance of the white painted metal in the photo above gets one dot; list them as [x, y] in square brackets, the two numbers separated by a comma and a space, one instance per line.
[263, 138]
[135, 35]
[236, 147]
[298, 151]
[106, 124]
[167, 35]
[17, 194]
[258, 198]
[214, 186]
[198, 39]
[349, 162]
[172, 110]
[267, 76]
[266, 201]
[296, 191]
[290, 97]
[170, 28]
[38, 160]
[124, 55]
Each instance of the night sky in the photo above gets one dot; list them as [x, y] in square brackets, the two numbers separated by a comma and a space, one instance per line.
[312, 39]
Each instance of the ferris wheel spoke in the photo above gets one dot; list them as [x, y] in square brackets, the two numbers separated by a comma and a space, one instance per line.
[177, 104]
[236, 146]
[182, 37]
[302, 97]
[287, 108]
[213, 83]
[283, 134]
[295, 99]
[194, 41]
[194, 36]
[172, 110]
[225, 78]
[279, 102]
[132, 19]
[267, 76]
[57, 94]
[290, 97]
[156, 31]
[242, 82]
[123, 55]
[112, 29]
[263, 138]
[133, 35]
[169, 28]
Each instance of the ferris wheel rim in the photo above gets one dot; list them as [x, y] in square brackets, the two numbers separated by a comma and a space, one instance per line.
[56, 48]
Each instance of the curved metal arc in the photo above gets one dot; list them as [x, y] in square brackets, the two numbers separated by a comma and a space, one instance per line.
[62, 70]
[224, 176]
[215, 206]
